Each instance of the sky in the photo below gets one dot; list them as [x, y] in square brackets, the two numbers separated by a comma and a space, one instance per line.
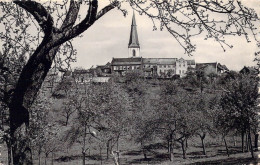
[108, 38]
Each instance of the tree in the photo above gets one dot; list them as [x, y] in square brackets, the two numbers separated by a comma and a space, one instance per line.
[34, 72]
[239, 103]
[101, 113]
[168, 112]
[41, 57]
[185, 120]
[43, 129]
[204, 108]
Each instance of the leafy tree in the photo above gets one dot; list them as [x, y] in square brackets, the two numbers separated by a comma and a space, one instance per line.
[193, 18]
[101, 113]
[184, 121]
[239, 104]
[44, 131]
[204, 108]
[114, 117]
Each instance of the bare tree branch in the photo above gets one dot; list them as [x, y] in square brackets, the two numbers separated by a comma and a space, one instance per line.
[85, 23]
[44, 19]
[71, 16]
[107, 9]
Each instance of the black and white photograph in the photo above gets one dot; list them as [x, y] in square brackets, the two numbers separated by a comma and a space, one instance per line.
[129, 82]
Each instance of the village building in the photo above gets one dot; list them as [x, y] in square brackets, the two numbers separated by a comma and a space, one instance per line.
[103, 70]
[249, 70]
[151, 67]
[122, 65]
[211, 68]
[83, 75]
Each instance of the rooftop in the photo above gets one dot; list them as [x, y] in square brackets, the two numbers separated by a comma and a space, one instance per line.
[126, 61]
[169, 61]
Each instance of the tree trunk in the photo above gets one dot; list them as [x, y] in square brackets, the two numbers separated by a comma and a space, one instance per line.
[100, 154]
[52, 158]
[108, 148]
[183, 146]
[186, 143]
[242, 141]
[234, 140]
[39, 158]
[9, 150]
[117, 147]
[46, 157]
[226, 146]
[9, 157]
[256, 141]
[29, 83]
[145, 154]
[250, 143]
[203, 145]
[45, 160]
[170, 149]
[83, 158]
[67, 120]
[115, 158]
[247, 143]
[168, 144]
[144, 151]
[21, 151]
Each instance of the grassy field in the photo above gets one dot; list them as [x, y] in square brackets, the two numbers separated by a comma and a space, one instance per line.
[130, 153]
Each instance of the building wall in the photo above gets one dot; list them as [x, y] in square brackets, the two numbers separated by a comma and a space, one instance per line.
[122, 69]
[166, 70]
[181, 67]
[161, 67]
[210, 69]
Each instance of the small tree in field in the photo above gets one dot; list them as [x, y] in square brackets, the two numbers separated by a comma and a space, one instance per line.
[204, 116]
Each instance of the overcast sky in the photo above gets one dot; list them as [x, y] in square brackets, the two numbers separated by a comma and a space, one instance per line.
[109, 38]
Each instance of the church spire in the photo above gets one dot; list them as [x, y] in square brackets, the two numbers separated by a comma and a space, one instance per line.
[133, 41]
[133, 45]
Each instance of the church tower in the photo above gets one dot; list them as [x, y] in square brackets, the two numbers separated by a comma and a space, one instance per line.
[133, 46]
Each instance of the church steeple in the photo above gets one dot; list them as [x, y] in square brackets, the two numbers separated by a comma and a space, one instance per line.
[133, 45]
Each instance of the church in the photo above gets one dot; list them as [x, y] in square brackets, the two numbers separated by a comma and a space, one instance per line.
[159, 67]
[151, 67]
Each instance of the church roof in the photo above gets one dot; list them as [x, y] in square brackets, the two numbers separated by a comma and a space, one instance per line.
[204, 65]
[126, 61]
[190, 62]
[133, 41]
[162, 61]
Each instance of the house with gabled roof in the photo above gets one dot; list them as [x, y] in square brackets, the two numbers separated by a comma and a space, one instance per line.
[249, 70]
[210, 68]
